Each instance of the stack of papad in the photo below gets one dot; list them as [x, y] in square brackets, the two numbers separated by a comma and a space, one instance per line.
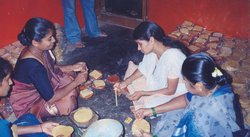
[232, 54]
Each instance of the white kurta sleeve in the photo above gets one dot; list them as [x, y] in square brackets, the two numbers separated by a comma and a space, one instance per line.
[147, 66]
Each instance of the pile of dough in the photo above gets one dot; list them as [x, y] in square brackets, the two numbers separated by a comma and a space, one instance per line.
[212, 45]
[86, 93]
[95, 74]
[212, 52]
[98, 84]
[194, 49]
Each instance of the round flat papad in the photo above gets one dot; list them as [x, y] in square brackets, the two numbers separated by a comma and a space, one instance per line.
[104, 128]
[113, 79]
[62, 130]
[83, 115]
[140, 124]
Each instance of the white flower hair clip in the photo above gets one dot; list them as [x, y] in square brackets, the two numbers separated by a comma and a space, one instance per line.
[216, 72]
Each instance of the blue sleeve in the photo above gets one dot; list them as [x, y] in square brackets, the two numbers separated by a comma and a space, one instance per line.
[31, 71]
[39, 78]
[189, 96]
[5, 128]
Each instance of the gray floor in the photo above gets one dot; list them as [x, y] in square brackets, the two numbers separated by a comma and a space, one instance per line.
[110, 55]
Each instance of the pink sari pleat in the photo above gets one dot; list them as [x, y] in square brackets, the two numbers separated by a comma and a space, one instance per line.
[23, 97]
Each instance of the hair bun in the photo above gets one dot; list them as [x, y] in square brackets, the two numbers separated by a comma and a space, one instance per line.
[22, 38]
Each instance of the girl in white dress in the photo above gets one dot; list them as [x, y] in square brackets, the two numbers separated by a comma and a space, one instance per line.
[157, 79]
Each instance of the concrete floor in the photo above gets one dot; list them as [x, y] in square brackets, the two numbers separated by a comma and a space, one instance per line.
[110, 55]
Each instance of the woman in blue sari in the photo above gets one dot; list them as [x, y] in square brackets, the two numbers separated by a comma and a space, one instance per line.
[210, 108]
[27, 125]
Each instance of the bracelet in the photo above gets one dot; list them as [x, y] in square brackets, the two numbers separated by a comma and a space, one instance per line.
[153, 110]
[41, 127]
[154, 136]
[130, 80]
[144, 92]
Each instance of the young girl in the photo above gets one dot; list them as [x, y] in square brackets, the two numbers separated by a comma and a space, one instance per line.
[27, 125]
[211, 108]
[158, 77]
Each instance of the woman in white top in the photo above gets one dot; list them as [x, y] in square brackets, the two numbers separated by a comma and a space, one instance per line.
[157, 79]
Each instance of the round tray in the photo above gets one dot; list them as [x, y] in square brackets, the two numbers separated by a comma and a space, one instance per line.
[104, 127]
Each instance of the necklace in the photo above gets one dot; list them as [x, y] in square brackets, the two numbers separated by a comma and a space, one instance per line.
[211, 92]
[34, 53]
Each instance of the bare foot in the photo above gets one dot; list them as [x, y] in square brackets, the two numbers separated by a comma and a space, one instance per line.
[132, 108]
[103, 34]
[79, 44]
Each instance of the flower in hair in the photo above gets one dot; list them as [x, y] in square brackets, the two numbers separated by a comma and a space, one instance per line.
[216, 72]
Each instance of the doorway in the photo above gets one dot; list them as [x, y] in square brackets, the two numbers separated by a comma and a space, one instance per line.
[126, 13]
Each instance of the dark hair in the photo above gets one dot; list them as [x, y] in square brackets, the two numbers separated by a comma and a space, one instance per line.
[147, 29]
[35, 29]
[199, 68]
[5, 68]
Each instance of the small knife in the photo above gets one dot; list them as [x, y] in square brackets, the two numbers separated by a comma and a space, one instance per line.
[125, 93]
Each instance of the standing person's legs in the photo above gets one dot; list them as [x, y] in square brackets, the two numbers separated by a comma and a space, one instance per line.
[72, 29]
[90, 19]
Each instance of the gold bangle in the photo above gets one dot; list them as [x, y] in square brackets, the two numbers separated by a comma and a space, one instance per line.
[130, 80]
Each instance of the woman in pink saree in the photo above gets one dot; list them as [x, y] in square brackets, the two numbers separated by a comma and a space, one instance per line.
[42, 87]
